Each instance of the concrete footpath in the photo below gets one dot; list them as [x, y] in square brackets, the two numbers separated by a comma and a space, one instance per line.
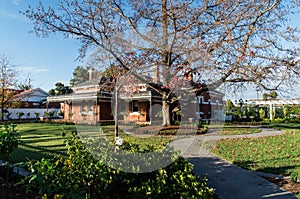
[229, 180]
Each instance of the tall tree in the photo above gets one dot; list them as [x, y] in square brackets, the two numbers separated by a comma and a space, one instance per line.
[210, 41]
[273, 94]
[60, 89]
[8, 81]
[80, 75]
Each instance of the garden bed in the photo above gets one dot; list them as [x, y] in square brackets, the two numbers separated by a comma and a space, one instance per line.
[168, 130]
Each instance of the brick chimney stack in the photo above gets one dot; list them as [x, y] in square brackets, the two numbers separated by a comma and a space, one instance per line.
[90, 72]
[155, 74]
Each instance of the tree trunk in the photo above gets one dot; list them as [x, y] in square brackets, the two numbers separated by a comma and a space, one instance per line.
[165, 64]
[116, 114]
[2, 103]
[166, 112]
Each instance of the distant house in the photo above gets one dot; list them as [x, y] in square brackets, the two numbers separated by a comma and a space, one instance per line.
[34, 98]
[92, 102]
[33, 103]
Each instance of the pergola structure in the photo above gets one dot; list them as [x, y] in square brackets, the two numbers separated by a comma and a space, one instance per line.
[272, 104]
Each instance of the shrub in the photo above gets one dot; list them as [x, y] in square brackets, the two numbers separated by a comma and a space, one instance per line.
[295, 176]
[8, 141]
[202, 130]
[82, 175]
[49, 114]
[278, 120]
[20, 114]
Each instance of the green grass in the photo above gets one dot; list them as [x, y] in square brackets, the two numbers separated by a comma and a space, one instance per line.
[231, 130]
[277, 154]
[40, 140]
[155, 141]
[44, 140]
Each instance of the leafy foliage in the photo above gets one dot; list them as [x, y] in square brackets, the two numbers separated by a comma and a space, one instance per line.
[81, 175]
[80, 75]
[271, 96]
[49, 114]
[60, 89]
[20, 114]
[8, 141]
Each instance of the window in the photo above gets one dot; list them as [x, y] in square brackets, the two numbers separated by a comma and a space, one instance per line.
[90, 106]
[82, 107]
[135, 106]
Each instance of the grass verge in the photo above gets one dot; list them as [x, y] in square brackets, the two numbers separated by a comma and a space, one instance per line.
[276, 154]
[232, 130]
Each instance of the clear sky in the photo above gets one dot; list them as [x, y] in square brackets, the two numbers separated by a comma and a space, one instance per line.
[45, 60]
[52, 59]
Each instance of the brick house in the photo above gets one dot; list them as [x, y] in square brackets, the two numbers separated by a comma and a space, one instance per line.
[90, 103]
[87, 104]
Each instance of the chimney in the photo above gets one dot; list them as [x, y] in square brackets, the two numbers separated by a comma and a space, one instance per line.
[90, 73]
[155, 74]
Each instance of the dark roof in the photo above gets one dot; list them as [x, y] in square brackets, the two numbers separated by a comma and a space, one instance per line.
[88, 83]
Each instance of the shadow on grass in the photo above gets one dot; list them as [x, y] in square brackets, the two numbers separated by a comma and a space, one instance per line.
[44, 139]
[283, 170]
[284, 125]
[27, 152]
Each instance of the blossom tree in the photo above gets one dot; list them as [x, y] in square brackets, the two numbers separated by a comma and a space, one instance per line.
[217, 41]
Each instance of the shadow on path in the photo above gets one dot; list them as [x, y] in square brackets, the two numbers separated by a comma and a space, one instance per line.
[229, 180]
[233, 182]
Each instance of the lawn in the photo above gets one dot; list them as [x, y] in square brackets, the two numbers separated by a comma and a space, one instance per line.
[233, 130]
[40, 140]
[44, 140]
[277, 154]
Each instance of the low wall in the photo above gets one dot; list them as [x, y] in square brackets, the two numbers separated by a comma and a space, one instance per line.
[29, 113]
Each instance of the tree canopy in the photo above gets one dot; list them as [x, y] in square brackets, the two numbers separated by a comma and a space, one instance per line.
[8, 81]
[60, 89]
[216, 41]
[80, 74]
[272, 95]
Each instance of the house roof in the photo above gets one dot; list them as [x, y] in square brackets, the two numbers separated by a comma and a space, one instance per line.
[33, 95]
[80, 96]
[88, 83]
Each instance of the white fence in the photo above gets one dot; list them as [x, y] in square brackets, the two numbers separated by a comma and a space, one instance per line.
[29, 113]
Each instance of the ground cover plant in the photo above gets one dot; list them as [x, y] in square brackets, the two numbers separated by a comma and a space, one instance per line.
[66, 169]
[8, 143]
[80, 175]
[277, 154]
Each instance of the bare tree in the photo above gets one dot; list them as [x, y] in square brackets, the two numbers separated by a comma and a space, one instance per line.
[8, 80]
[208, 42]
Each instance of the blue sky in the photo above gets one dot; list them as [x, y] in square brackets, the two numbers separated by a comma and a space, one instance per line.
[45, 60]
[52, 59]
